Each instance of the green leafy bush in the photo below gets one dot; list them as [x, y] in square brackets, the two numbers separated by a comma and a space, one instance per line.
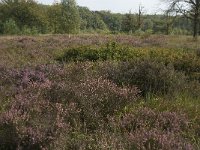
[29, 31]
[81, 54]
[111, 51]
[10, 27]
[183, 61]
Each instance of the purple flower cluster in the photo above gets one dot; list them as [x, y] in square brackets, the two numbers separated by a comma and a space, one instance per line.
[148, 129]
[49, 100]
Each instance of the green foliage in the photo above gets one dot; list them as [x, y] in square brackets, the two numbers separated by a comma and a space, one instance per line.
[54, 13]
[111, 51]
[70, 19]
[113, 21]
[147, 25]
[91, 20]
[98, 23]
[179, 31]
[129, 23]
[139, 32]
[80, 54]
[159, 25]
[10, 27]
[184, 61]
[29, 31]
[64, 17]
[67, 17]
[27, 13]
[152, 70]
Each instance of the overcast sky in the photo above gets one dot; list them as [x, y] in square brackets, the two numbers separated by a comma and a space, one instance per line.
[121, 6]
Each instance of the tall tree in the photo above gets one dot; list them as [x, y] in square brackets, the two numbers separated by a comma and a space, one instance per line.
[24, 12]
[70, 19]
[112, 20]
[54, 18]
[147, 24]
[129, 23]
[140, 14]
[169, 20]
[189, 9]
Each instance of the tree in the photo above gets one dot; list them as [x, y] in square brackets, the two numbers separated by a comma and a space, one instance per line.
[24, 13]
[169, 20]
[10, 27]
[97, 22]
[139, 19]
[159, 24]
[129, 23]
[91, 20]
[86, 18]
[189, 9]
[70, 19]
[54, 18]
[112, 20]
[147, 24]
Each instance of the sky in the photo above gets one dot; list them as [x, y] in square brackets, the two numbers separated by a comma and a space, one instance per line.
[119, 6]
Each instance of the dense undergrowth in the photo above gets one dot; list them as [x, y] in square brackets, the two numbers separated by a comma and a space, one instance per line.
[182, 60]
[106, 96]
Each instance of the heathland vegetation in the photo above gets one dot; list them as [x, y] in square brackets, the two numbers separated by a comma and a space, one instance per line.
[128, 86]
[99, 92]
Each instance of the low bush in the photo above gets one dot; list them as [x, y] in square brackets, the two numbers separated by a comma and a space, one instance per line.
[147, 129]
[10, 27]
[50, 100]
[111, 51]
[183, 61]
[149, 76]
[29, 31]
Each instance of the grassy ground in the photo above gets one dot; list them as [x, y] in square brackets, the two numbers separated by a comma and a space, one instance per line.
[99, 92]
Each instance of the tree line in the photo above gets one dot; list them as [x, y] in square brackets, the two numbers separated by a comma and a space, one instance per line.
[30, 17]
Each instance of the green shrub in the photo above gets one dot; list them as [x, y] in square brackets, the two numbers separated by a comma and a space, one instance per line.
[179, 31]
[80, 54]
[149, 76]
[139, 32]
[147, 34]
[111, 51]
[184, 61]
[10, 27]
[29, 31]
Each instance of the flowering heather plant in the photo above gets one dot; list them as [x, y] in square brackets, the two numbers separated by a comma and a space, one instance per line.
[149, 76]
[147, 118]
[35, 120]
[155, 139]
[100, 98]
[49, 100]
[95, 105]
[147, 129]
